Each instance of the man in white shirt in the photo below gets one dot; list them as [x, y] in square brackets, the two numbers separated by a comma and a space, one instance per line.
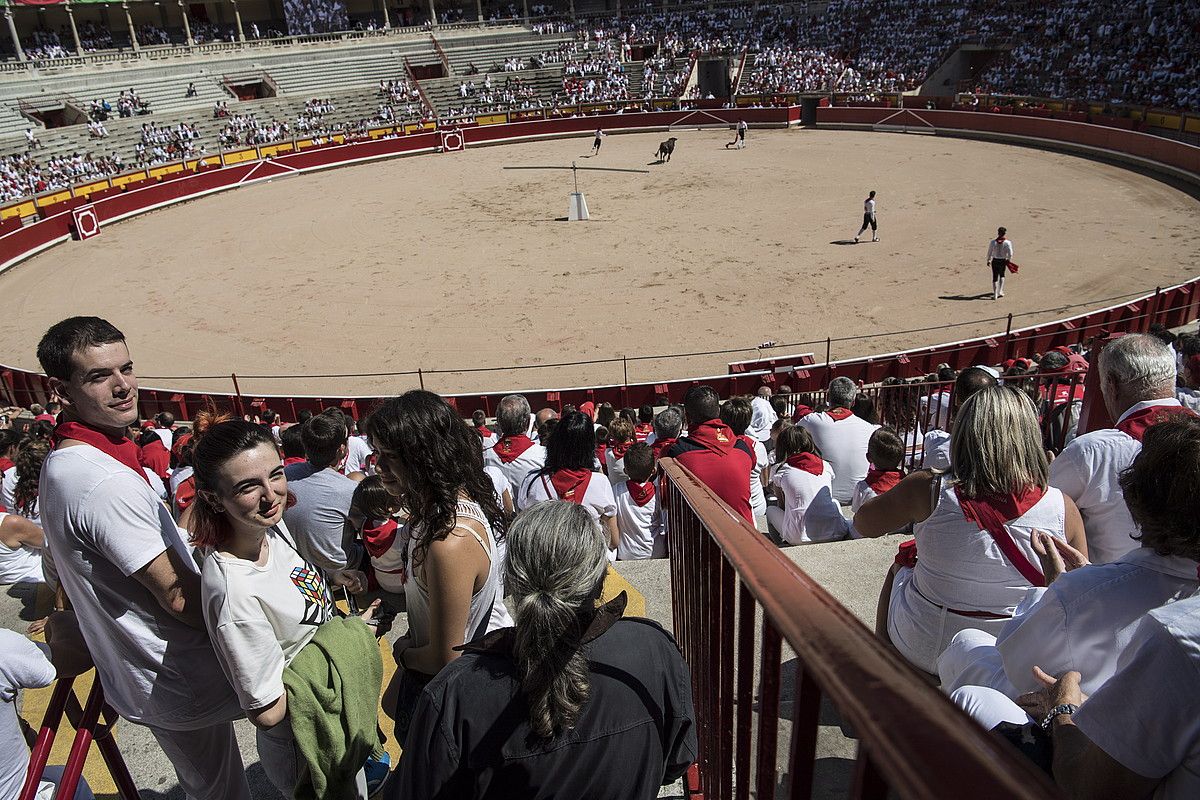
[1137, 379]
[1000, 252]
[358, 449]
[164, 426]
[515, 453]
[842, 438]
[868, 219]
[1188, 394]
[763, 416]
[320, 518]
[937, 442]
[123, 563]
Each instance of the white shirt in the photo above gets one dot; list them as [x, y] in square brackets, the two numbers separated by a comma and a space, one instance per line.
[937, 450]
[23, 665]
[934, 410]
[869, 207]
[763, 418]
[1188, 398]
[8, 488]
[615, 467]
[1085, 619]
[758, 499]
[642, 531]
[167, 435]
[534, 458]
[843, 443]
[357, 453]
[998, 249]
[21, 564]
[103, 523]
[1145, 715]
[259, 617]
[598, 498]
[810, 512]
[1087, 471]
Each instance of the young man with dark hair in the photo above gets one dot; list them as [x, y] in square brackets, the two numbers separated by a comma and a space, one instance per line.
[292, 445]
[638, 518]
[320, 517]
[645, 423]
[479, 421]
[131, 578]
[885, 452]
[164, 426]
[711, 452]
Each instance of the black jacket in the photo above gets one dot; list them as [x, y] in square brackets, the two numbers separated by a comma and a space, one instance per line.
[470, 735]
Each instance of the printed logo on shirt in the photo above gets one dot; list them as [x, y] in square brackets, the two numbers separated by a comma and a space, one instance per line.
[317, 602]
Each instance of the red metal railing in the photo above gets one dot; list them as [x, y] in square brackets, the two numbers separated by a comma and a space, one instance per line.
[732, 591]
[88, 729]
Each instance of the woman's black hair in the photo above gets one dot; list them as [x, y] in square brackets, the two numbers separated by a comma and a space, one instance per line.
[573, 445]
[439, 457]
[373, 499]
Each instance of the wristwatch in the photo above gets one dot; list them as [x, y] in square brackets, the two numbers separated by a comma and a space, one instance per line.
[1064, 708]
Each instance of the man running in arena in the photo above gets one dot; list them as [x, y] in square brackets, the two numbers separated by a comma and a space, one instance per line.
[128, 573]
[1000, 252]
[739, 138]
[869, 219]
[596, 144]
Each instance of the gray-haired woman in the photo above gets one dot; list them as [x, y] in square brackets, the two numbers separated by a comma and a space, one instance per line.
[973, 527]
[575, 701]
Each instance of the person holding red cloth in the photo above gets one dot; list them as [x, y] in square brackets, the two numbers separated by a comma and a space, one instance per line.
[711, 451]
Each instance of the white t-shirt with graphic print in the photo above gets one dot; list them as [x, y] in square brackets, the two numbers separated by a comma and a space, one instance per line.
[260, 616]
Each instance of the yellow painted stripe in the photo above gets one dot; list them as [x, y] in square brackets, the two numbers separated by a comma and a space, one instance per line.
[614, 584]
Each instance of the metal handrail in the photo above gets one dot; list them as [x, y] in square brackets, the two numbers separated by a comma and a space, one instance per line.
[911, 737]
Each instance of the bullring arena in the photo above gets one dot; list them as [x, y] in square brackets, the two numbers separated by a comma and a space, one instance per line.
[448, 261]
[296, 210]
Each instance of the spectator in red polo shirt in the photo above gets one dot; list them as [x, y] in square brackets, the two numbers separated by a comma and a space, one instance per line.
[712, 453]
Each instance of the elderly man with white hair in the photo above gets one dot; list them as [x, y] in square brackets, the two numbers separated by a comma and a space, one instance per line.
[842, 438]
[516, 454]
[1137, 379]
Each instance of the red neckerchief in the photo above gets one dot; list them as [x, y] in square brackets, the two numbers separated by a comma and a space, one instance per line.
[641, 493]
[619, 450]
[661, 446]
[185, 492]
[642, 431]
[287, 462]
[750, 442]
[509, 448]
[116, 447]
[6, 464]
[378, 539]
[801, 412]
[1000, 240]
[839, 414]
[880, 480]
[484, 432]
[1136, 423]
[809, 462]
[1009, 506]
[600, 450]
[571, 484]
[714, 436]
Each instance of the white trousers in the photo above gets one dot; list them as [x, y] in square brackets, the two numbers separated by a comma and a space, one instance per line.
[971, 659]
[988, 707]
[207, 762]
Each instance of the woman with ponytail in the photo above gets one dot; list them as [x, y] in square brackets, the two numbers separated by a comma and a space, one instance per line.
[575, 701]
[262, 601]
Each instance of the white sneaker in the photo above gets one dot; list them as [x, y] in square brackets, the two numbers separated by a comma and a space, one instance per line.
[1002, 294]
[856, 240]
[876, 239]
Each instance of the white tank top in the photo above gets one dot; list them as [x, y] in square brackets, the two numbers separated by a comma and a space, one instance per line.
[480, 618]
[960, 566]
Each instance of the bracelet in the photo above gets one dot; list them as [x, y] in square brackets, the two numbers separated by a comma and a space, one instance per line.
[1064, 709]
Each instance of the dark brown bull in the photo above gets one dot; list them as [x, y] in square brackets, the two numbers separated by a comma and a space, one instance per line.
[665, 149]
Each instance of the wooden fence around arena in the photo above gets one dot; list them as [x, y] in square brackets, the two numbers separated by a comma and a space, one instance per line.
[132, 195]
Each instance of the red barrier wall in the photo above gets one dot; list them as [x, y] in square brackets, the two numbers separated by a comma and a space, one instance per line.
[1173, 307]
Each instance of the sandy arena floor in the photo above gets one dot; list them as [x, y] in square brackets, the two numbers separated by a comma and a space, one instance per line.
[450, 262]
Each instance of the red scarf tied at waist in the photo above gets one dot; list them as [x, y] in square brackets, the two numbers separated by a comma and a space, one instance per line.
[714, 436]
[641, 493]
[118, 447]
[992, 512]
[378, 539]
[509, 448]
[881, 480]
[809, 462]
[839, 414]
[1136, 423]
[571, 484]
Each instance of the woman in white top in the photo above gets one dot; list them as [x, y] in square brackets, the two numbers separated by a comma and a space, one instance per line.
[433, 464]
[975, 559]
[803, 481]
[262, 601]
[568, 475]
